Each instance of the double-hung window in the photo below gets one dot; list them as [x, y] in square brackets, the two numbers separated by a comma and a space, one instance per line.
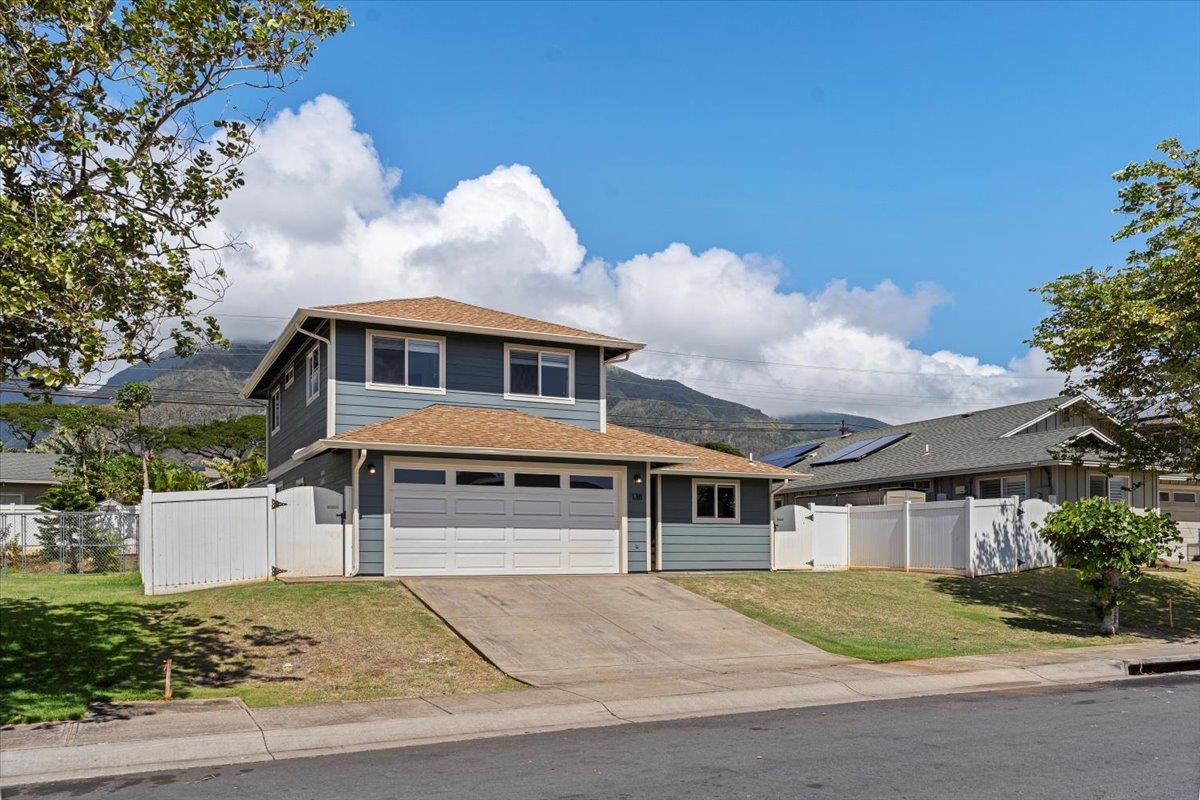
[312, 374]
[1007, 486]
[1114, 487]
[715, 501]
[275, 409]
[406, 363]
[538, 373]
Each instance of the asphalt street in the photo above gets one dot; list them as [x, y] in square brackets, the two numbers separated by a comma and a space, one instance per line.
[1127, 739]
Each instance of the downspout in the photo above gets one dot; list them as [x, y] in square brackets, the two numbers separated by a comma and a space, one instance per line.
[358, 462]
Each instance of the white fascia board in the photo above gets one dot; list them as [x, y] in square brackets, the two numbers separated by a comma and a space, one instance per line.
[321, 445]
[717, 473]
[272, 354]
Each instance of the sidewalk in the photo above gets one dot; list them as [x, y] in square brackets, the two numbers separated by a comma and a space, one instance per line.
[141, 737]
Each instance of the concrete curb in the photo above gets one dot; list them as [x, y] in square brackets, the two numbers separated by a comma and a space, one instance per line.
[422, 722]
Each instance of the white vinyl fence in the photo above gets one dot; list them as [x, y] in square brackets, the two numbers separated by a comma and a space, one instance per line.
[195, 540]
[974, 537]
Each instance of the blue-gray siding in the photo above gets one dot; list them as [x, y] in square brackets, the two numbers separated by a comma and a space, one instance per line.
[371, 529]
[331, 470]
[688, 545]
[474, 377]
[638, 547]
[301, 423]
[710, 546]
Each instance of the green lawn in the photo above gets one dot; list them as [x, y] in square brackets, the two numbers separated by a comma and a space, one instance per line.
[70, 641]
[894, 616]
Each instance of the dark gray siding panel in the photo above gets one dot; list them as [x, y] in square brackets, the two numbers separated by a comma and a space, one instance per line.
[474, 377]
[371, 523]
[330, 470]
[301, 423]
[688, 545]
[635, 510]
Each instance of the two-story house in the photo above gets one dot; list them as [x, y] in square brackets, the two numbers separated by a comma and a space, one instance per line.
[474, 441]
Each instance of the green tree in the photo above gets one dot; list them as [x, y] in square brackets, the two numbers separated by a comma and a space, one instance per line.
[62, 536]
[85, 435]
[1131, 336]
[120, 477]
[114, 157]
[222, 438]
[723, 447]
[236, 471]
[134, 398]
[28, 421]
[1108, 543]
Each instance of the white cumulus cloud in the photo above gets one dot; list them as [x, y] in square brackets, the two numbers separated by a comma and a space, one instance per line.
[326, 221]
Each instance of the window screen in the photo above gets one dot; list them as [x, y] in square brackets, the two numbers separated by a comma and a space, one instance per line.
[991, 489]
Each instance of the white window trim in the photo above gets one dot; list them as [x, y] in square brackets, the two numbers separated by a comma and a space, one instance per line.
[736, 519]
[309, 394]
[289, 376]
[1127, 489]
[372, 335]
[538, 398]
[1004, 479]
[276, 409]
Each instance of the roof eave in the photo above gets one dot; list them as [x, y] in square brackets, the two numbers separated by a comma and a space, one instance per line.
[321, 445]
[1049, 462]
[281, 341]
[720, 473]
[486, 330]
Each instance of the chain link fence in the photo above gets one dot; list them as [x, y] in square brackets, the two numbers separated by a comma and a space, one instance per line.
[33, 540]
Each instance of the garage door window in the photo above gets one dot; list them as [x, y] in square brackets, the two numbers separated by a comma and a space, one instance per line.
[715, 502]
[465, 478]
[537, 480]
[591, 482]
[420, 476]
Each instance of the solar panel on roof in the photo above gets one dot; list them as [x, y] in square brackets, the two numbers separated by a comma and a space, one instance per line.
[859, 450]
[789, 455]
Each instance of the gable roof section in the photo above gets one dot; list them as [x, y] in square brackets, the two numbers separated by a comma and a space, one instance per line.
[28, 467]
[439, 314]
[460, 430]
[962, 443]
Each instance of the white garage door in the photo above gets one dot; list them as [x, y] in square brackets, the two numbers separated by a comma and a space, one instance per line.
[479, 519]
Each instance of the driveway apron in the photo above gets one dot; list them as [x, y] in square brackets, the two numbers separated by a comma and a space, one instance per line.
[618, 635]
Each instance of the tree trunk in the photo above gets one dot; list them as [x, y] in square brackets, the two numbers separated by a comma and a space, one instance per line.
[1110, 612]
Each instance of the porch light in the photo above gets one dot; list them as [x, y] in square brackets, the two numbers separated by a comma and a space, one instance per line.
[637, 477]
[370, 469]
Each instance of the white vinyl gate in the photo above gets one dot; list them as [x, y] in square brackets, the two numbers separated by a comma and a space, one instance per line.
[310, 533]
[500, 519]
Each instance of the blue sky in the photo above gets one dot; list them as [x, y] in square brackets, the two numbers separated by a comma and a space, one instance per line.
[966, 144]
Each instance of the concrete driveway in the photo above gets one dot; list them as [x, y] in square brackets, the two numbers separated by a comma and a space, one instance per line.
[588, 632]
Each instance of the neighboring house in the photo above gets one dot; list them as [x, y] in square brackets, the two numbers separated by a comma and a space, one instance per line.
[1179, 496]
[1000, 452]
[25, 476]
[473, 441]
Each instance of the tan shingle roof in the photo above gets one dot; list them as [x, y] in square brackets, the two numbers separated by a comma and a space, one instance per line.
[439, 310]
[466, 430]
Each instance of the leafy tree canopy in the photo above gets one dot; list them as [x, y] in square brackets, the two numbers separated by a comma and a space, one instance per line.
[1131, 336]
[225, 439]
[28, 421]
[1108, 543]
[115, 152]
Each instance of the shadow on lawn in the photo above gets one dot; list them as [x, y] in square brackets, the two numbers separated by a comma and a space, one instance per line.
[1051, 601]
[63, 656]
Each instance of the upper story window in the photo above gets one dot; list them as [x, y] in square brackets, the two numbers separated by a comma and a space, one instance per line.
[312, 375]
[289, 376]
[275, 409]
[539, 373]
[406, 363]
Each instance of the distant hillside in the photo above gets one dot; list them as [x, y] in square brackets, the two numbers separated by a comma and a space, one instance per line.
[669, 408]
[205, 387]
